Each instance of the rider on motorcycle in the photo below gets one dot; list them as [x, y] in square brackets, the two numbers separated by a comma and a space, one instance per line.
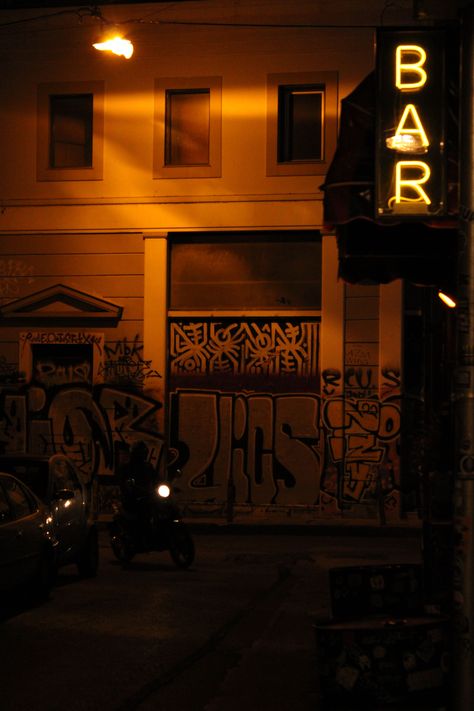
[137, 480]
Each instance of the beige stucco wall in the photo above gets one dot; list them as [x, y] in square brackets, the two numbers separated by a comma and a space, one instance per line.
[109, 236]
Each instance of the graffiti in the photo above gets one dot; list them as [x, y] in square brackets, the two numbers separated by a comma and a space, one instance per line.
[331, 381]
[9, 373]
[391, 381]
[63, 337]
[89, 424]
[280, 449]
[59, 357]
[50, 373]
[266, 447]
[245, 347]
[13, 273]
[358, 434]
[357, 355]
[359, 382]
[124, 363]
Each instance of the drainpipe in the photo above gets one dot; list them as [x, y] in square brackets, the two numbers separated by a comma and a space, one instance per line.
[463, 397]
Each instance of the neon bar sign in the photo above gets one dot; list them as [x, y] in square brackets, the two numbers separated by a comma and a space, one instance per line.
[410, 124]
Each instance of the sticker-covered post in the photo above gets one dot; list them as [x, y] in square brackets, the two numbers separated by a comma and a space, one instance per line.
[463, 395]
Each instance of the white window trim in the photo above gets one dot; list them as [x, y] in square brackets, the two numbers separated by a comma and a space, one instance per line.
[330, 82]
[213, 170]
[43, 170]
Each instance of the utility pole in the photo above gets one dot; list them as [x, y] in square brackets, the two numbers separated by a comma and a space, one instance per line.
[463, 396]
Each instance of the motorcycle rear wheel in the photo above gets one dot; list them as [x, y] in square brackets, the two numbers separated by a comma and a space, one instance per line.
[182, 549]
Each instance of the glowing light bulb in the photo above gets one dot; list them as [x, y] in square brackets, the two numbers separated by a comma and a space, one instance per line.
[448, 300]
[405, 143]
[117, 45]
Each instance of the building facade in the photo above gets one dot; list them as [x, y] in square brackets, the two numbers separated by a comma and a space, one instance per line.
[165, 271]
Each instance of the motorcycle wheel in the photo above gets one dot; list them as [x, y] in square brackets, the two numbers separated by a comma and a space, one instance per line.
[122, 546]
[181, 546]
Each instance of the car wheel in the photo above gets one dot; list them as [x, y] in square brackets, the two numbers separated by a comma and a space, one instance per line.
[88, 561]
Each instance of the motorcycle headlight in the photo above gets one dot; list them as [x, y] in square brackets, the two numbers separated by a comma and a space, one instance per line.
[164, 491]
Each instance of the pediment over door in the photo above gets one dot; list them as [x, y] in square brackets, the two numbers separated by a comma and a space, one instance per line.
[60, 305]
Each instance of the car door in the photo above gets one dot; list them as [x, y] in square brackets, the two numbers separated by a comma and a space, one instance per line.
[21, 536]
[68, 508]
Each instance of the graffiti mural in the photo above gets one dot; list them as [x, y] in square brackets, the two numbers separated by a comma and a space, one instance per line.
[91, 424]
[359, 433]
[245, 347]
[252, 423]
[265, 447]
[285, 449]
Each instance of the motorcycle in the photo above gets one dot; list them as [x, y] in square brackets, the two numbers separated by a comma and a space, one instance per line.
[163, 530]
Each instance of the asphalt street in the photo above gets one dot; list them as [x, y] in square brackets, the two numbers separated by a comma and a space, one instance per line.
[234, 632]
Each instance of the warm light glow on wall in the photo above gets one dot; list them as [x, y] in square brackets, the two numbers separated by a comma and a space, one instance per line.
[117, 45]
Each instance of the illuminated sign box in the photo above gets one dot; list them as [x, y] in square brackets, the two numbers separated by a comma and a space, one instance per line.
[410, 124]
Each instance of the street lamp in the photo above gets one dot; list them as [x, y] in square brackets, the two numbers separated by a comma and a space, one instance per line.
[117, 45]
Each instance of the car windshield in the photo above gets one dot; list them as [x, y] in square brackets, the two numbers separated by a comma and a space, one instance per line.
[33, 474]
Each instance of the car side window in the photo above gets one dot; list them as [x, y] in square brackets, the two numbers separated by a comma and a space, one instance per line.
[6, 513]
[17, 495]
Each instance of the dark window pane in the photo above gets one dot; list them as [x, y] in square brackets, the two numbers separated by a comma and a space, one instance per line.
[71, 131]
[187, 127]
[300, 123]
[246, 275]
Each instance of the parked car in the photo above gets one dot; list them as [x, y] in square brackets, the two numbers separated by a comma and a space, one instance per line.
[27, 543]
[58, 483]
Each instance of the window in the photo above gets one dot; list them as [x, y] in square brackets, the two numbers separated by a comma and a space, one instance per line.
[70, 138]
[301, 123]
[258, 272]
[70, 131]
[187, 127]
[187, 139]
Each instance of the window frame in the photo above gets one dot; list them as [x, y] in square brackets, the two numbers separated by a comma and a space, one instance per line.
[329, 81]
[168, 84]
[44, 171]
[55, 116]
